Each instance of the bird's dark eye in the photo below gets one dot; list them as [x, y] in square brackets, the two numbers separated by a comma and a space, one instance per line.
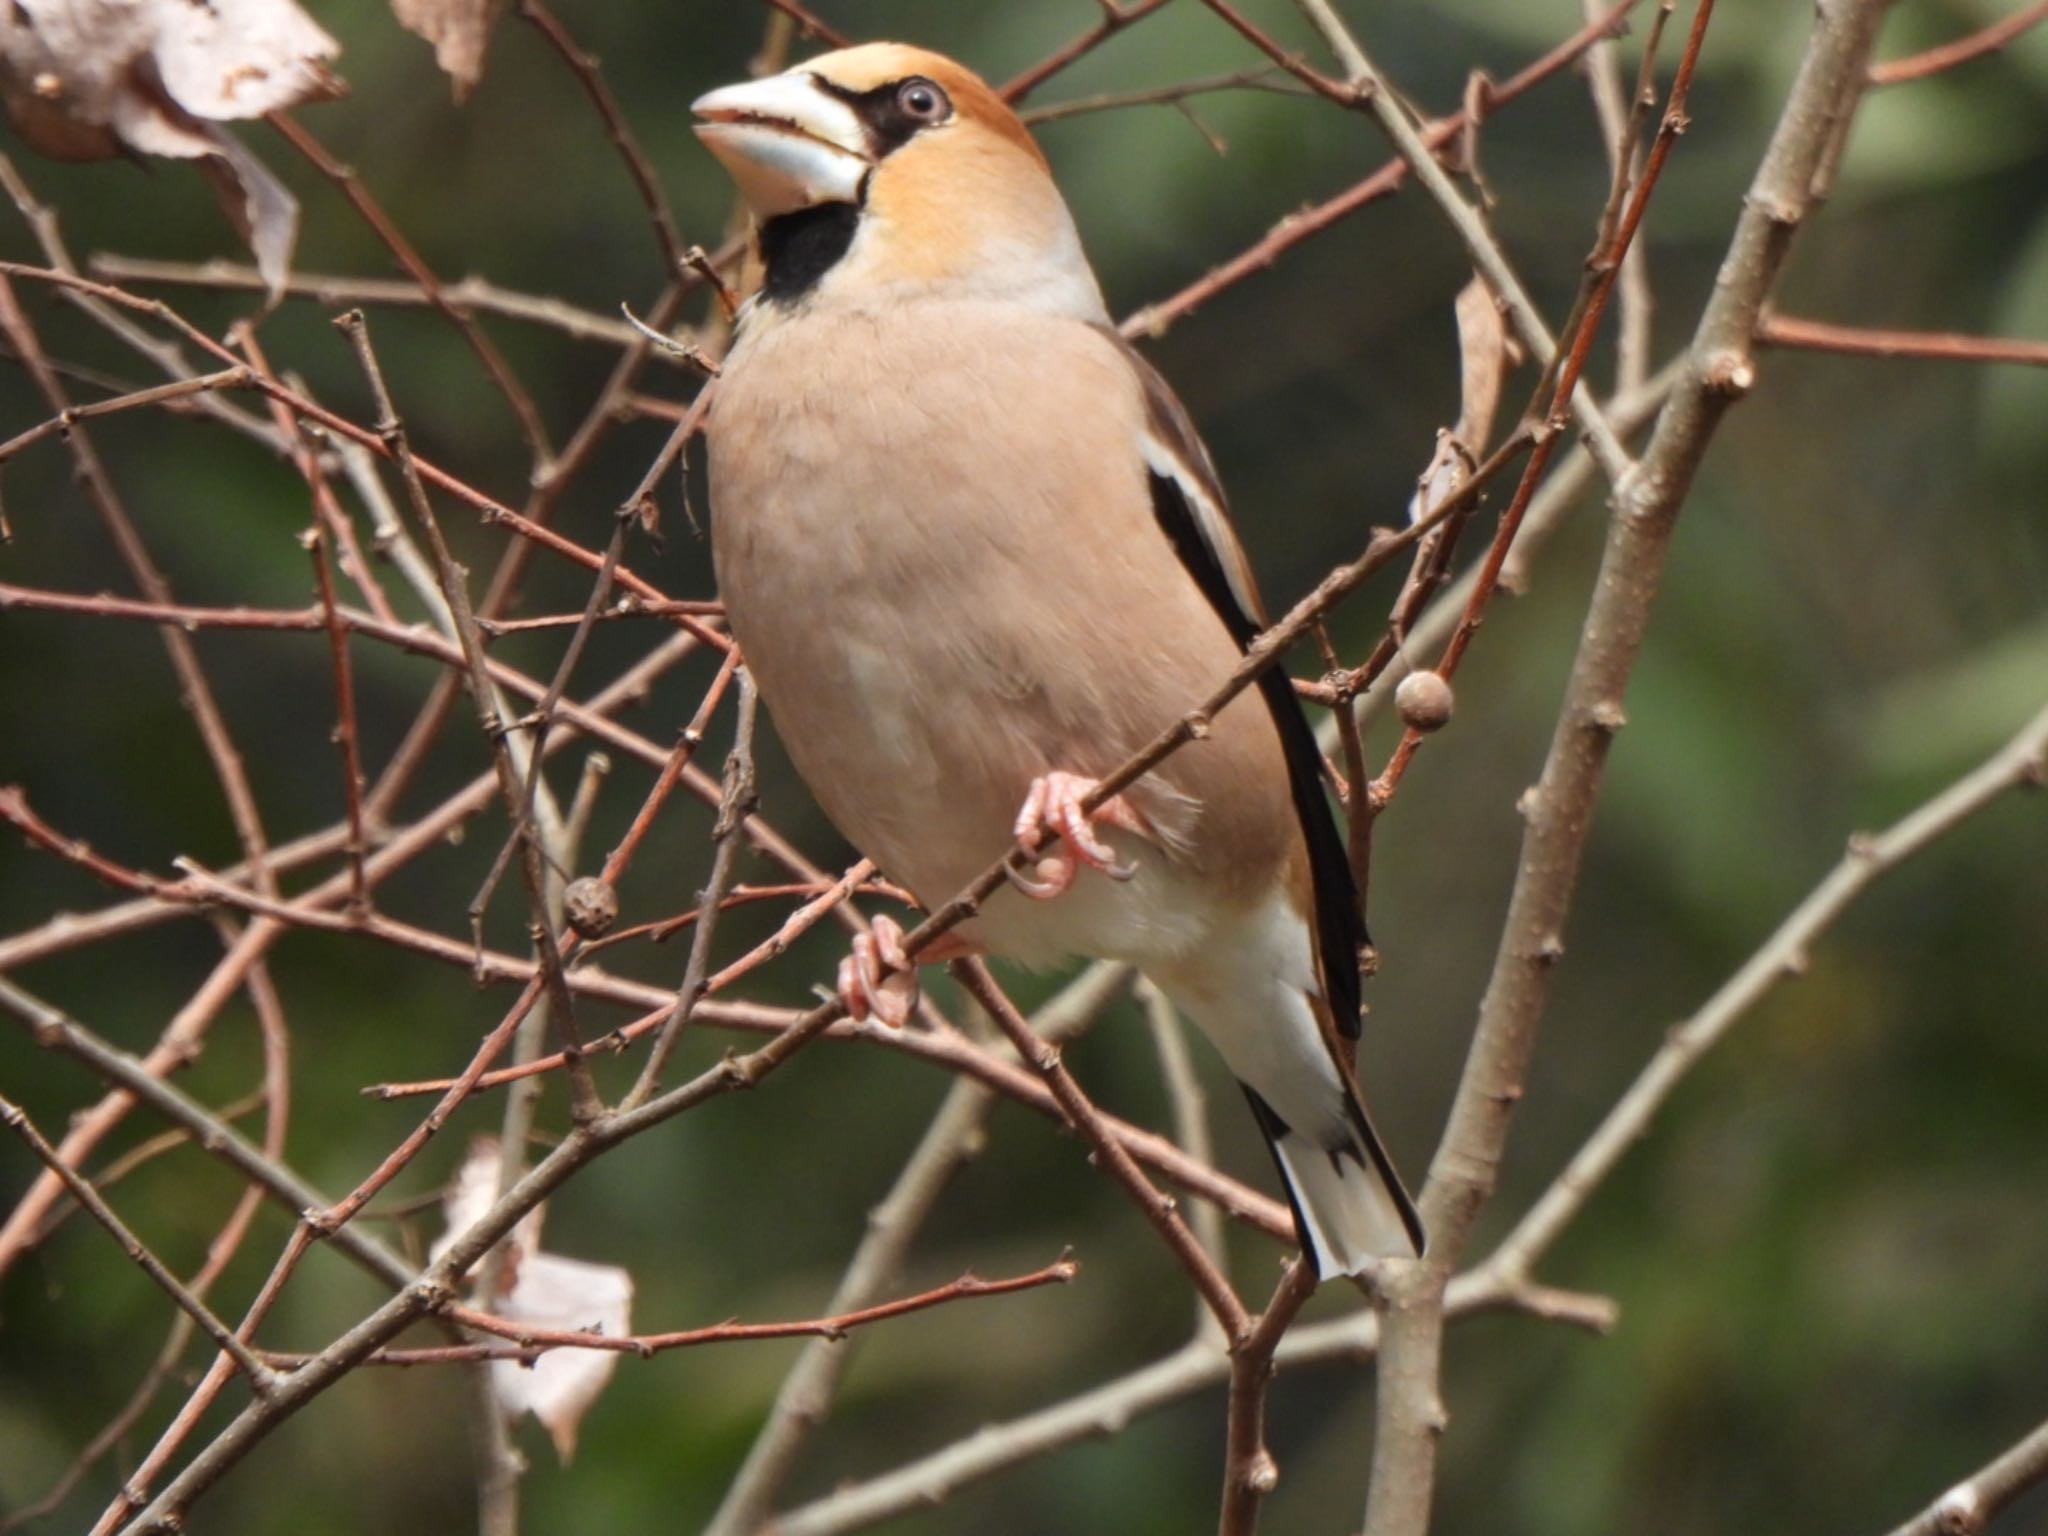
[919, 99]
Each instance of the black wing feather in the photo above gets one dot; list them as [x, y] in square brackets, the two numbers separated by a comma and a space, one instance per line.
[1339, 922]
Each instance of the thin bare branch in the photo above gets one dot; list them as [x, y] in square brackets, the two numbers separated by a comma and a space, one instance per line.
[2021, 762]
[366, 205]
[1161, 1211]
[1969, 1507]
[1866, 341]
[139, 1254]
[468, 295]
[1948, 56]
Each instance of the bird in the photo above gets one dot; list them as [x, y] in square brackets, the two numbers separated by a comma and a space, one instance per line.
[975, 555]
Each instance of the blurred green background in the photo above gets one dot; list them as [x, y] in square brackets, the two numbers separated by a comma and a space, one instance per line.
[1829, 1257]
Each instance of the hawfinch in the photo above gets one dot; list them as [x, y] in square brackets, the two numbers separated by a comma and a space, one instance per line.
[976, 556]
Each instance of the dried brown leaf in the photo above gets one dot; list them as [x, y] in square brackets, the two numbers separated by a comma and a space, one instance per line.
[559, 1387]
[87, 79]
[1487, 355]
[543, 1290]
[460, 31]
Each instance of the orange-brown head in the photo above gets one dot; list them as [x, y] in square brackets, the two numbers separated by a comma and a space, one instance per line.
[890, 169]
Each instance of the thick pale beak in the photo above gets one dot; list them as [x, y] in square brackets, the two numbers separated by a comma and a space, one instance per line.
[787, 142]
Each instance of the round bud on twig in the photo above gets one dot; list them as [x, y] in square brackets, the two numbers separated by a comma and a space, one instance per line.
[1424, 700]
[591, 906]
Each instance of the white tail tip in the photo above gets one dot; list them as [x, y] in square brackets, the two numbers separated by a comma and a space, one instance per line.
[1351, 1213]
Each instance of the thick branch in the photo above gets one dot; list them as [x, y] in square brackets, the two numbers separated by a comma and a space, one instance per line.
[2022, 761]
[1559, 811]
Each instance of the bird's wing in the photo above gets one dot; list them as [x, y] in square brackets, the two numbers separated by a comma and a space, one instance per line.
[1188, 502]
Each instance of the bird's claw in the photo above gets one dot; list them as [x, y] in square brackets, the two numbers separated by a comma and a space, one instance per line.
[1053, 805]
[878, 978]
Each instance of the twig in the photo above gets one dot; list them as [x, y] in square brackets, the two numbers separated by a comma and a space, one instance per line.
[948, 1142]
[1867, 341]
[1611, 107]
[261, 1379]
[469, 295]
[1935, 61]
[2022, 762]
[1157, 318]
[673, 768]
[1115, 17]
[454, 591]
[737, 804]
[1249, 1471]
[1258, 78]
[1968, 1507]
[628, 607]
[1160, 1210]
[157, 394]
[530, 1343]
[351, 186]
[584, 67]
[345, 734]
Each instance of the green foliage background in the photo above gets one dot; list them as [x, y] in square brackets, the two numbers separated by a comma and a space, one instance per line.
[1829, 1256]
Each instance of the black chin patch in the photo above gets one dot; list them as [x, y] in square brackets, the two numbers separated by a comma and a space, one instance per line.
[797, 249]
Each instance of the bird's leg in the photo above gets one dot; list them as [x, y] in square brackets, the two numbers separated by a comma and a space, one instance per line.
[880, 979]
[1053, 805]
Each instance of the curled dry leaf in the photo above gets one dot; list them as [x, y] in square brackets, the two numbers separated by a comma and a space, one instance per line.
[460, 30]
[560, 1386]
[88, 79]
[546, 1291]
[1487, 354]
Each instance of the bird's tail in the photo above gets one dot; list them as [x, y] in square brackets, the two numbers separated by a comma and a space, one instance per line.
[1348, 1202]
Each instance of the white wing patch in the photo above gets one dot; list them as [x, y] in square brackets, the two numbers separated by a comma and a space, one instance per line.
[1197, 490]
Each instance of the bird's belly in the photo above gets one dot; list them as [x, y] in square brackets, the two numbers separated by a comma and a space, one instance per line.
[923, 766]
[937, 611]
[1154, 920]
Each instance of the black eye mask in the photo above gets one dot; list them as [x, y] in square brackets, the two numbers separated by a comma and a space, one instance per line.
[895, 113]
[798, 249]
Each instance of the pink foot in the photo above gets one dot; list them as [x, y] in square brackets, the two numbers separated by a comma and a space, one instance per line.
[1053, 805]
[879, 978]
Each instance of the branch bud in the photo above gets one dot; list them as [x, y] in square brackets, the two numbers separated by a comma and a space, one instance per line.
[1425, 701]
[591, 906]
